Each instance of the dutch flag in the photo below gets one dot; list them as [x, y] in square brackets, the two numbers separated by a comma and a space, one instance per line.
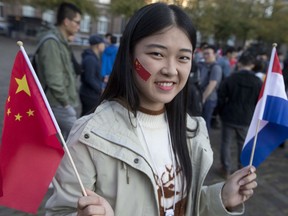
[269, 125]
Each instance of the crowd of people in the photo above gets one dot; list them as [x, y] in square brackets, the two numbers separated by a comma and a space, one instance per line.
[230, 82]
[134, 137]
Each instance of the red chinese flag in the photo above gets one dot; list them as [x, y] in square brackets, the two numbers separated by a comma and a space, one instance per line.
[30, 151]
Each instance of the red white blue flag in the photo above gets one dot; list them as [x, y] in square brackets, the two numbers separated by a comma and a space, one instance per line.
[271, 113]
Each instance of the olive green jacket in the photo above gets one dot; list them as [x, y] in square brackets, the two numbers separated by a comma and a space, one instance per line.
[110, 161]
[55, 71]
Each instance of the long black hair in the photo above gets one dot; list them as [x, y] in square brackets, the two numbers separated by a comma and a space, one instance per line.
[147, 21]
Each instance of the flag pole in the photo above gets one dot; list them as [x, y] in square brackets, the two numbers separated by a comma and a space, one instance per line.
[274, 45]
[254, 143]
[20, 44]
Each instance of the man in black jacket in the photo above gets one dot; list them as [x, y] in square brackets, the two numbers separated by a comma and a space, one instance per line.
[237, 99]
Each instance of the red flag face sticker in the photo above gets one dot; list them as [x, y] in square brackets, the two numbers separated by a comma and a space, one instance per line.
[141, 71]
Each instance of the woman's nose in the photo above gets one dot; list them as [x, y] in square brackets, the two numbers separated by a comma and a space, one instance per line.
[170, 68]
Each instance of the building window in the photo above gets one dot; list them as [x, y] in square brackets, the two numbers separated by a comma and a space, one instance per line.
[104, 1]
[48, 16]
[1, 11]
[102, 25]
[28, 11]
[85, 23]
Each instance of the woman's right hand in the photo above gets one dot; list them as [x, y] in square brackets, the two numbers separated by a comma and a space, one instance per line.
[94, 205]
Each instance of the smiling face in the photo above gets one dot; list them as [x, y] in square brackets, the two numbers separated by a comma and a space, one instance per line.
[167, 56]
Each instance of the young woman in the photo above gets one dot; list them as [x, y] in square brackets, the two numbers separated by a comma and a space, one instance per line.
[139, 153]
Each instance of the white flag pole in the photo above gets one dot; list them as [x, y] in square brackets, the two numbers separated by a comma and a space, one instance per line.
[262, 105]
[254, 143]
[20, 43]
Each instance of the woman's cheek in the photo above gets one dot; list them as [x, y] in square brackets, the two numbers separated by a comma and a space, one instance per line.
[141, 71]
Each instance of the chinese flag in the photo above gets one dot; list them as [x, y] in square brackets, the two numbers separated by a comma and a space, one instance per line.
[30, 151]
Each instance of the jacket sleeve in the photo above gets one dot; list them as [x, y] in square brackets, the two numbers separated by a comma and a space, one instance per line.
[67, 189]
[207, 200]
[53, 70]
[216, 73]
[90, 74]
[104, 66]
[211, 202]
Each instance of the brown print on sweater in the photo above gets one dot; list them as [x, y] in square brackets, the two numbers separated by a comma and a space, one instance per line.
[167, 180]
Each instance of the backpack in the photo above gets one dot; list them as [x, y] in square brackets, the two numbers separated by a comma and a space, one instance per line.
[77, 67]
[33, 57]
[195, 89]
[195, 104]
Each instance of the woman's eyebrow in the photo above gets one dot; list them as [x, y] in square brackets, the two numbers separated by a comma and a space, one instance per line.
[163, 47]
[156, 46]
[186, 50]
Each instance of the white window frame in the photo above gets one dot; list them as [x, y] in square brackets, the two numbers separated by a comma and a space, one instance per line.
[85, 23]
[104, 1]
[28, 11]
[102, 25]
[48, 16]
[1, 11]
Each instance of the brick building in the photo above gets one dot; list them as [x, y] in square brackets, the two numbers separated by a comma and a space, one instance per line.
[25, 21]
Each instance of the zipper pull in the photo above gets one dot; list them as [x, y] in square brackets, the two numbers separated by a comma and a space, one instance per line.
[127, 175]
[124, 166]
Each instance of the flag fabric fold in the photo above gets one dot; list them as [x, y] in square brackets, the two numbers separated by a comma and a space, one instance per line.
[30, 151]
[272, 112]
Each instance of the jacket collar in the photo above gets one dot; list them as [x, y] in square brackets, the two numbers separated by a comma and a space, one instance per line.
[115, 134]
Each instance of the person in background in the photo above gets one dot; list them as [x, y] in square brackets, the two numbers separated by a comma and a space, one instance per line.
[259, 69]
[238, 96]
[227, 62]
[240, 50]
[56, 71]
[91, 79]
[198, 56]
[107, 38]
[108, 58]
[264, 57]
[140, 153]
[224, 61]
[77, 67]
[210, 78]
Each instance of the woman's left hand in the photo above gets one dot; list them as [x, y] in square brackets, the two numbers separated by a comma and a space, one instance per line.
[239, 187]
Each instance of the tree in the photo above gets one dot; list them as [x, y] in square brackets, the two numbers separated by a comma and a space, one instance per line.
[126, 7]
[273, 26]
[244, 19]
[85, 6]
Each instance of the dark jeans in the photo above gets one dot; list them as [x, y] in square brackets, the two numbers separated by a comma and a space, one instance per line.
[208, 109]
[228, 133]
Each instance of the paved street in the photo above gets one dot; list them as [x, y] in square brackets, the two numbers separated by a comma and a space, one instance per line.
[271, 196]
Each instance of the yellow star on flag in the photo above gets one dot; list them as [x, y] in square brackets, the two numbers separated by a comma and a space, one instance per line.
[18, 117]
[8, 99]
[8, 111]
[22, 85]
[30, 112]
